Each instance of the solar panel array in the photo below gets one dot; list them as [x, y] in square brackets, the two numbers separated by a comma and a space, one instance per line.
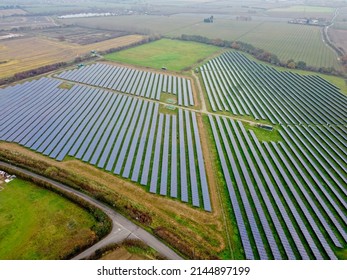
[133, 81]
[289, 199]
[124, 135]
[236, 84]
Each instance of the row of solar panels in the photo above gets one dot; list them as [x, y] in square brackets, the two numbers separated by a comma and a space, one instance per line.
[133, 81]
[121, 134]
[280, 97]
[285, 206]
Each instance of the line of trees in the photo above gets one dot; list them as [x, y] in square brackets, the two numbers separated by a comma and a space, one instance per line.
[262, 54]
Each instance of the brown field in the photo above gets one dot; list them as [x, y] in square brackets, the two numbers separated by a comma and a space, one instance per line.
[29, 53]
[339, 38]
[23, 22]
[80, 35]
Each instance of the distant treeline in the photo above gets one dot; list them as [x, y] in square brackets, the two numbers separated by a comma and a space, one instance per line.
[262, 54]
[9, 7]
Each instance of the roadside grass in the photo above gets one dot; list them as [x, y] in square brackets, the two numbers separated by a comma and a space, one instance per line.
[38, 224]
[172, 54]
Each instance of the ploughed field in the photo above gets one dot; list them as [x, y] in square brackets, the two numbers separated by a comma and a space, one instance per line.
[119, 133]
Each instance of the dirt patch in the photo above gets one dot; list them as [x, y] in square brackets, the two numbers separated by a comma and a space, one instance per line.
[122, 254]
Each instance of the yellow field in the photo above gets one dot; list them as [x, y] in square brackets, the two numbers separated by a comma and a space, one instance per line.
[29, 53]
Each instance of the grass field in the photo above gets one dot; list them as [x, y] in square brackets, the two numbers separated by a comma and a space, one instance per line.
[38, 224]
[174, 55]
[30, 53]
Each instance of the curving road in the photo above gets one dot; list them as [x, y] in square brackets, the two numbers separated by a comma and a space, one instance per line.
[122, 227]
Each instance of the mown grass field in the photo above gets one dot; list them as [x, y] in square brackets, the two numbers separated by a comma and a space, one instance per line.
[30, 53]
[38, 224]
[172, 54]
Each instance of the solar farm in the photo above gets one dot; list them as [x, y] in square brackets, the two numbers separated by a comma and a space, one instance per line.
[243, 87]
[132, 81]
[287, 198]
[118, 133]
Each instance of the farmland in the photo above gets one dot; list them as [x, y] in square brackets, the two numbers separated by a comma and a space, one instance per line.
[11, 12]
[275, 36]
[302, 11]
[79, 35]
[38, 224]
[173, 55]
[34, 52]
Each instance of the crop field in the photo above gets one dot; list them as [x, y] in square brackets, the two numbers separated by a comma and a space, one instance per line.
[302, 11]
[284, 40]
[17, 22]
[121, 134]
[236, 84]
[339, 37]
[80, 35]
[11, 12]
[171, 54]
[288, 198]
[38, 224]
[277, 37]
[146, 24]
[30, 53]
[133, 81]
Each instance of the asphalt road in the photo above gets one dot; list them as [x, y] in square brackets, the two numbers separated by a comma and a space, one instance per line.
[122, 227]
